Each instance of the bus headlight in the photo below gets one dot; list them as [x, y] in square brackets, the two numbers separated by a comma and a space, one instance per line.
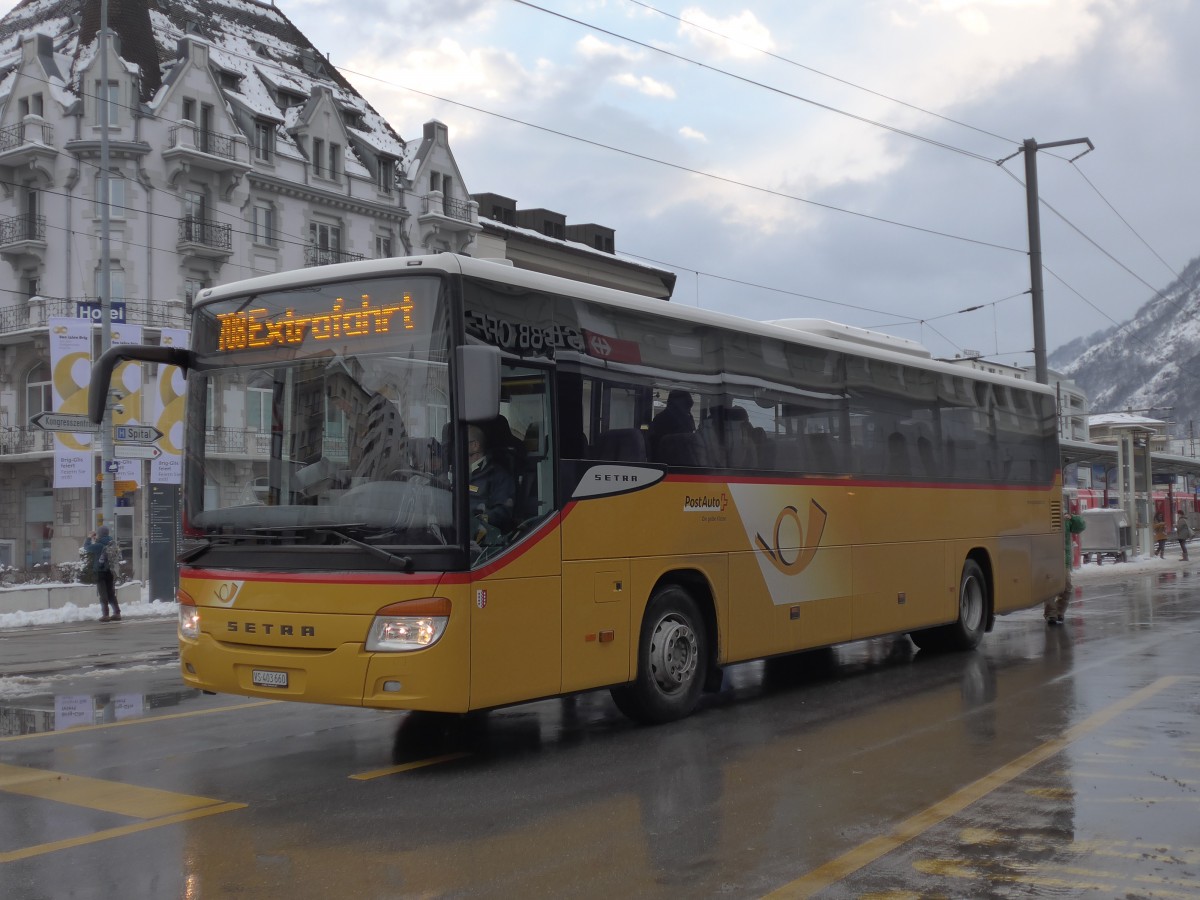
[189, 616]
[409, 625]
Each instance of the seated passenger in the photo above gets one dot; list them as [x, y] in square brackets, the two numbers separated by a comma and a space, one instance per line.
[675, 418]
[493, 490]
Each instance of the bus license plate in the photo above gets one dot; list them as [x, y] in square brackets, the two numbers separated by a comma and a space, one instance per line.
[264, 678]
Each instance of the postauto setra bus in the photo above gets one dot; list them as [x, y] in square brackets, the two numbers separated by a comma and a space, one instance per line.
[810, 485]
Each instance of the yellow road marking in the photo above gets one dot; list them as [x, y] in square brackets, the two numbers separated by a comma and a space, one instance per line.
[95, 793]
[141, 720]
[848, 863]
[405, 767]
[109, 833]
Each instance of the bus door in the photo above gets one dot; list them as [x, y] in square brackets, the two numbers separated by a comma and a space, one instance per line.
[515, 582]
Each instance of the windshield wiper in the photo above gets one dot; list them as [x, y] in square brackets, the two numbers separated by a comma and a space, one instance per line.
[403, 563]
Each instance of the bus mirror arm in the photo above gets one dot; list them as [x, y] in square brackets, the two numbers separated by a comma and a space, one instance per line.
[103, 369]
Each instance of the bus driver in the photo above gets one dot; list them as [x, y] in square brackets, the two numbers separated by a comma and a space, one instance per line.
[493, 489]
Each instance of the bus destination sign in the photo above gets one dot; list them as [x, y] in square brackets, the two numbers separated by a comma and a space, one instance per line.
[256, 328]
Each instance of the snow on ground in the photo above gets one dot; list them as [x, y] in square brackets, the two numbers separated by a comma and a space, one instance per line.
[138, 609]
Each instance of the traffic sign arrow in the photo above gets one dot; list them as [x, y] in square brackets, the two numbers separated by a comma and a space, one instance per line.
[136, 451]
[136, 434]
[52, 421]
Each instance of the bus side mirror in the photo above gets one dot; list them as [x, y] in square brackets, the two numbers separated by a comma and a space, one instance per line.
[478, 383]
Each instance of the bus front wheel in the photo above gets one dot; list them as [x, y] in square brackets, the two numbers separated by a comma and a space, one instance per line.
[672, 660]
[966, 631]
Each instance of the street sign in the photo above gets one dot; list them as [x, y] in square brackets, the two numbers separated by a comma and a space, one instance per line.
[136, 451]
[136, 434]
[51, 421]
[111, 466]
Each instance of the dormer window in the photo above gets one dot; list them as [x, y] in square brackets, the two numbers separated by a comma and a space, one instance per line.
[387, 174]
[264, 141]
[318, 154]
[31, 105]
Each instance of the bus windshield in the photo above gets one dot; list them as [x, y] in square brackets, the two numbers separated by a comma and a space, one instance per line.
[321, 415]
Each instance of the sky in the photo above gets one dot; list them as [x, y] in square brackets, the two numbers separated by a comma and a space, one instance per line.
[823, 159]
[831, 159]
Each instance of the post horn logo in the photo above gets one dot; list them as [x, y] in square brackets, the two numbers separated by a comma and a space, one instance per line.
[226, 592]
[806, 547]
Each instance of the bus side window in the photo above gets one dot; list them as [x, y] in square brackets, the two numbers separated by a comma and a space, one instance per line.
[621, 445]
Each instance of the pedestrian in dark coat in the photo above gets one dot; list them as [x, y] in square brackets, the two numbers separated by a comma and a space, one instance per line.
[105, 555]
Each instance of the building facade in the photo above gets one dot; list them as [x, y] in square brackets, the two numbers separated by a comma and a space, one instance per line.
[234, 150]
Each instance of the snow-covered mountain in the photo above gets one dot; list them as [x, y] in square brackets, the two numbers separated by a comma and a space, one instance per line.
[1151, 361]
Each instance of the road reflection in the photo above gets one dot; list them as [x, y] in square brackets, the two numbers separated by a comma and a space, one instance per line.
[60, 712]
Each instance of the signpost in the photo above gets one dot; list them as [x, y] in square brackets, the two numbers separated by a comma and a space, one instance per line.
[51, 421]
[136, 451]
[136, 434]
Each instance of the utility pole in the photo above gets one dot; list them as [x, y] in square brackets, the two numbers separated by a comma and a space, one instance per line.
[1030, 148]
[108, 486]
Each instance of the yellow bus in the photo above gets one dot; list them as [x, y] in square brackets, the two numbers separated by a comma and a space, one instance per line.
[671, 490]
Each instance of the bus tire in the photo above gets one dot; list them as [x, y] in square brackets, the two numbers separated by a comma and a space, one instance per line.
[967, 630]
[672, 660]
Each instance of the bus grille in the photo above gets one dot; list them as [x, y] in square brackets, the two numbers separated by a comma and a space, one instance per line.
[1056, 515]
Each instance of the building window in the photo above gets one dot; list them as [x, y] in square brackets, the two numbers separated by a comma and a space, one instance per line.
[31, 105]
[116, 281]
[383, 246]
[435, 182]
[192, 288]
[113, 104]
[262, 224]
[318, 151]
[335, 161]
[116, 195]
[33, 286]
[264, 141]
[39, 392]
[189, 109]
[387, 174]
[325, 237]
[258, 409]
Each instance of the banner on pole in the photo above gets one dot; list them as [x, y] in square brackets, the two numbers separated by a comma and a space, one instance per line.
[70, 372]
[168, 414]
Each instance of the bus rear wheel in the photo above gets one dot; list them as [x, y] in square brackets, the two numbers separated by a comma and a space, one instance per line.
[967, 630]
[672, 660]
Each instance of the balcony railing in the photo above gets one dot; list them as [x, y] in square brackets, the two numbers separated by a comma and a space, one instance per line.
[448, 206]
[26, 133]
[217, 235]
[25, 440]
[35, 313]
[322, 256]
[15, 229]
[205, 141]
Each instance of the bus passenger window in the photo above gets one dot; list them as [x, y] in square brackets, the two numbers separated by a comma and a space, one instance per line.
[621, 445]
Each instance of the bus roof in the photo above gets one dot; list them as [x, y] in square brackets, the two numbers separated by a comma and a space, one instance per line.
[814, 332]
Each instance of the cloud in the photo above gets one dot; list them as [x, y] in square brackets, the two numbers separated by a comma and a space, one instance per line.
[693, 135]
[738, 37]
[592, 48]
[644, 84]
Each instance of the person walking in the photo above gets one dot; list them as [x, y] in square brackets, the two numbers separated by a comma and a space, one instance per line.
[1160, 536]
[1056, 607]
[1183, 532]
[106, 556]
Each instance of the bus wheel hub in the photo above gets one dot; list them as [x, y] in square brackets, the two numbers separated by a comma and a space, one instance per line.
[673, 654]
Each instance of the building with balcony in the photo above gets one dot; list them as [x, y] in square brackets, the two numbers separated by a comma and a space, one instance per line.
[235, 149]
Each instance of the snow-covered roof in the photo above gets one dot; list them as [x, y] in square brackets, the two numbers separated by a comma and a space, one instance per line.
[1124, 419]
[246, 38]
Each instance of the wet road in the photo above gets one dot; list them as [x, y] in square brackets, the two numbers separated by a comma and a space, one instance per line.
[1053, 762]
